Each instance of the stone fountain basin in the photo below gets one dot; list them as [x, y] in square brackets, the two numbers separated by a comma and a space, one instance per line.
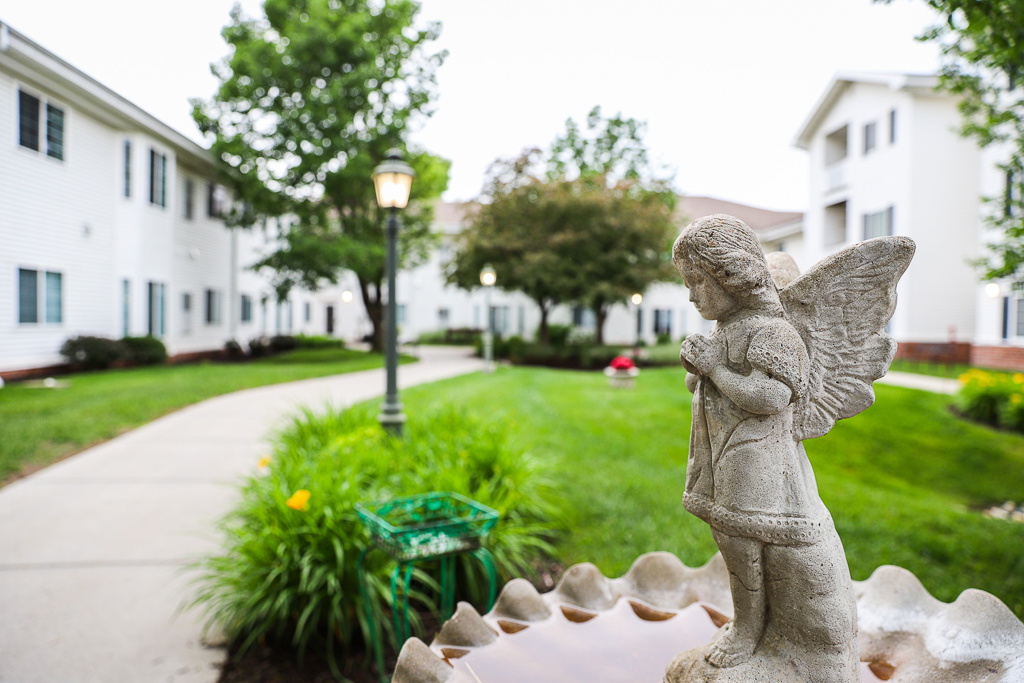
[592, 628]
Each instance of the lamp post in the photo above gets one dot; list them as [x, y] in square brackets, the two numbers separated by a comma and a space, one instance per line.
[487, 278]
[392, 181]
[637, 299]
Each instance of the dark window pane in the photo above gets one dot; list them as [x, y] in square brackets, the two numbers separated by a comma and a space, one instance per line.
[54, 132]
[189, 192]
[28, 120]
[892, 127]
[28, 296]
[152, 176]
[163, 180]
[127, 170]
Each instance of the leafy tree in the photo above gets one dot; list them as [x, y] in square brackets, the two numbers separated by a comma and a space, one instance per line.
[982, 43]
[311, 97]
[591, 230]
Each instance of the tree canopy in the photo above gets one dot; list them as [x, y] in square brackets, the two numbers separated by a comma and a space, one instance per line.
[311, 97]
[982, 44]
[591, 229]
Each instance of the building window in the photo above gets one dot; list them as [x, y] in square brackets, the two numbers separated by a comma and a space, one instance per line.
[186, 313]
[835, 224]
[126, 307]
[307, 313]
[28, 121]
[157, 178]
[156, 320]
[29, 110]
[522, 321]
[870, 131]
[212, 307]
[54, 132]
[663, 321]
[400, 314]
[442, 317]
[835, 146]
[878, 224]
[1020, 317]
[29, 300]
[214, 200]
[246, 309]
[189, 194]
[1010, 194]
[127, 169]
[499, 319]
[892, 127]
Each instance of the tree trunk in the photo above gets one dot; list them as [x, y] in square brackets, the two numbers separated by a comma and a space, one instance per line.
[600, 315]
[542, 331]
[375, 311]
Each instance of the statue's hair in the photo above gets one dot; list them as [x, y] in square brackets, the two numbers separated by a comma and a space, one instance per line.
[727, 250]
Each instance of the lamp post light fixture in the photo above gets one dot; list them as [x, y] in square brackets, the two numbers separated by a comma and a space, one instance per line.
[637, 299]
[392, 181]
[487, 278]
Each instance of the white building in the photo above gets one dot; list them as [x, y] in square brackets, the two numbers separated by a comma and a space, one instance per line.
[109, 225]
[886, 159]
[426, 304]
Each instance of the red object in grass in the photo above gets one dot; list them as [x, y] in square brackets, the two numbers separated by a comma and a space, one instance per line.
[622, 363]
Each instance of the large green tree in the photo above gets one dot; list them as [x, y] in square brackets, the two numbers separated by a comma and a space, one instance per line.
[588, 223]
[311, 97]
[982, 44]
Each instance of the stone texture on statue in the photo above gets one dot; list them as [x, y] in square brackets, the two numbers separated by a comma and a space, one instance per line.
[905, 634]
[787, 357]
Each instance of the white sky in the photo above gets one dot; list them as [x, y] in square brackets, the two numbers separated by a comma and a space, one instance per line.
[723, 84]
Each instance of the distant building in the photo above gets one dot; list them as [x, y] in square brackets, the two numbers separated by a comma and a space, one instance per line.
[886, 159]
[110, 225]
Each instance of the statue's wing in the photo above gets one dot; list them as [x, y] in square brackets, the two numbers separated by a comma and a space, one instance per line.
[840, 307]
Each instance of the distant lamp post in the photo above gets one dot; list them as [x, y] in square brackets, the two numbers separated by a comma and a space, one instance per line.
[487, 278]
[392, 181]
[993, 290]
[346, 297]
[637, 299]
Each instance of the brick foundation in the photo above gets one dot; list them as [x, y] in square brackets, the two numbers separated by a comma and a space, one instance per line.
[946, 353]
[1001, 357]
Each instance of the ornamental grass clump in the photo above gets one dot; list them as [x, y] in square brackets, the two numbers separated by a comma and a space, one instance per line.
[287, 574]
[994, 398]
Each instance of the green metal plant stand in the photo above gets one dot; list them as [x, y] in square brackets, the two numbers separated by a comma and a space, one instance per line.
[427, 527]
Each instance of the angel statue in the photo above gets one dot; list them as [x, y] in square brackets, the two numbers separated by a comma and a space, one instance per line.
[785, 360]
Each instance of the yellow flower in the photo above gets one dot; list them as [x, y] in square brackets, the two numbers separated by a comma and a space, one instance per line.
[299, 500]
[264, 462]
[1018, 377]
[1015, 399]
[965, 378]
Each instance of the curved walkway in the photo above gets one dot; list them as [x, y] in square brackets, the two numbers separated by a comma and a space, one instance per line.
[91, 549]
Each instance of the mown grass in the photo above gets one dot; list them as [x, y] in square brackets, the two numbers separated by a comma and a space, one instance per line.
[39, 426]
[904, 481]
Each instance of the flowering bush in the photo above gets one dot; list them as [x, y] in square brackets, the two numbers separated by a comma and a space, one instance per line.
[622, 363]
[994, 398]
[287, 573]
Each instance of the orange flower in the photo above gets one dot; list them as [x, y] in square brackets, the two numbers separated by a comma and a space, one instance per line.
[299, 500]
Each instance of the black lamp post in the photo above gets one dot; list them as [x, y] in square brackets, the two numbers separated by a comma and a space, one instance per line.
[392, 180]
[487, 278]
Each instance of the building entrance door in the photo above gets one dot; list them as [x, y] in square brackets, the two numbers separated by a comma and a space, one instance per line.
[330, 320]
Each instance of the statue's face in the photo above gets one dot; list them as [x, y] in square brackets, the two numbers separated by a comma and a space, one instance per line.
[713, 302]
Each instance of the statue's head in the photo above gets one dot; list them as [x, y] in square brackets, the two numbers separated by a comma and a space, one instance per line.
[726, 250]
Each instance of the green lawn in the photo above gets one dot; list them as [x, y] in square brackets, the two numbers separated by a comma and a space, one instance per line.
[904, 480]
[39, 426]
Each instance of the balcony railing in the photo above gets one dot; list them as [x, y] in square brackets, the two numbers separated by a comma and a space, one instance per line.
[835, 176]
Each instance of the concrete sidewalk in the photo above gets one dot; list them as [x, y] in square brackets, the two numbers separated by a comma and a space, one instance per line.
[936, 385]
[91, 549]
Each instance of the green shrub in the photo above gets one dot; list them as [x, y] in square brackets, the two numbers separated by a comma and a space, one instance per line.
[280, 343]
[664, 338]
[305, 341]
[93, 353]
[289, 575]
[434, 337]
[984, 395]
[558, 335]
[1011, 415]
[145, 350]
[259, 346]
[233, 350]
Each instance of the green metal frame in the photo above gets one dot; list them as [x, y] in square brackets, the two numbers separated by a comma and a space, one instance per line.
[433, 526]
